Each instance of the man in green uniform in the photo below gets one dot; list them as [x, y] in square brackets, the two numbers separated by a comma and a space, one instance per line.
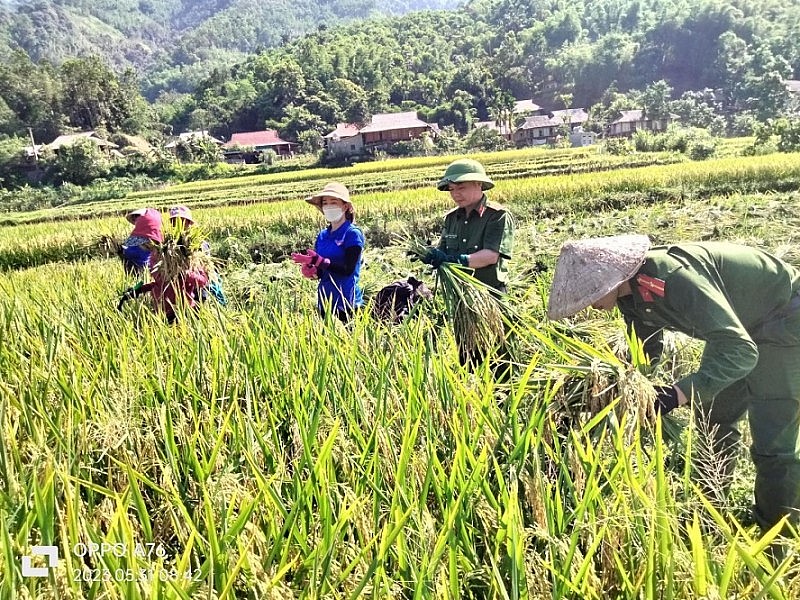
[477, 233]
[745, 304]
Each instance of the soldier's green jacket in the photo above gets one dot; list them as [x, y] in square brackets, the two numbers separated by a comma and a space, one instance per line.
[490, 227]
[731, 296]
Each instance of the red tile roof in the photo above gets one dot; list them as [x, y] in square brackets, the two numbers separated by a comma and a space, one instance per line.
[268, 137]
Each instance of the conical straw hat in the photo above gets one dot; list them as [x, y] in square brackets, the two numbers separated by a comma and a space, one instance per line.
[589, 269]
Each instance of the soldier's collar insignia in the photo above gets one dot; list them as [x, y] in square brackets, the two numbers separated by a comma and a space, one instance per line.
[649, 287]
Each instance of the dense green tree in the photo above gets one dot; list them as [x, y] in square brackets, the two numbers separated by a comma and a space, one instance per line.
[81, 163]
[351, 98]
[325, 107]
[763, 89]
[297, 119]
[93, 96]
[501, 110]
[287, 84]
[562, 28]
[699, 109]
[9, 123]
[310, 141]
[458, 113]
[30, 92]
[485, 140]
[655, 99]
[12, 161]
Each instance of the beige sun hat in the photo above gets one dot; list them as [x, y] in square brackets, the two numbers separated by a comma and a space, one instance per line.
[334, 189]
[135, 214]
[589, 269]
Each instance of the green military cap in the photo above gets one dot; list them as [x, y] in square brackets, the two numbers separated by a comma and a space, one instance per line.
[465, 169]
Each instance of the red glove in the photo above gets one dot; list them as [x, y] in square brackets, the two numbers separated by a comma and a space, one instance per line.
[320, 262]
[302, 259]
[309, 271]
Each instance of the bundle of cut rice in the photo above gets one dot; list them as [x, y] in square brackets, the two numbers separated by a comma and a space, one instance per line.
[599, 367]
[476, 310]
[107, 245]
[182, 251]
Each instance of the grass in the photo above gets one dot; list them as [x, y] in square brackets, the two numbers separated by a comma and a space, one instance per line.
[269, 454]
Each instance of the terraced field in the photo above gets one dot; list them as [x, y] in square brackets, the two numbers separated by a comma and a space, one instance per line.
[263, 453]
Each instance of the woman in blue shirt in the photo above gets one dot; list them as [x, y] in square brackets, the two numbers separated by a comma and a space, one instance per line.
[337, 254]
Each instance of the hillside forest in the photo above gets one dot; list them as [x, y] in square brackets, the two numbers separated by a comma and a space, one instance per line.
[173, 42]
[720, 65]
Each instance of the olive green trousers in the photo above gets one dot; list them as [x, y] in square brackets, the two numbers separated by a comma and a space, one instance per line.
[770, 395]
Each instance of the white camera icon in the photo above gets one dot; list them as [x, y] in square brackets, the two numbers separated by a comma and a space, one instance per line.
[51, 552]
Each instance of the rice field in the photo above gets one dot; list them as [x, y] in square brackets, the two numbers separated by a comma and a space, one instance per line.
[276, 228]
[258, 452]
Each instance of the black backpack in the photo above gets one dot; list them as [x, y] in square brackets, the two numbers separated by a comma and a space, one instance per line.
[395, 301]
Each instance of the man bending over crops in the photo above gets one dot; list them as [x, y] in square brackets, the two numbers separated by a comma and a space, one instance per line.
[477, 233]
[745, 304]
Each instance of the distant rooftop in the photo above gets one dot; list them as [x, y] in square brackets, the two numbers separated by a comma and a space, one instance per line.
[575, 115]
[390, 121]
[540, 121]
[343, 130]
[630, 116]
[66, 140]
[522, 106]
[266, 137]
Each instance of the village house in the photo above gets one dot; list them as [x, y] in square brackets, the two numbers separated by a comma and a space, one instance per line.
[388, 128]
[537, 130]
[67, 140]
[193, 137]
[631, 121]
[383, 130]
[574, 117]
[248, 145]
[545, 128]
[527, 108]
[345, 139]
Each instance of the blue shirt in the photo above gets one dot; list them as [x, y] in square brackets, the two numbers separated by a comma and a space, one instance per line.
[137, 258]
[341, 291]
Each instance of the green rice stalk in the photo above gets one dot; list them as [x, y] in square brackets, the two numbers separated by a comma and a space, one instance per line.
[476, 310]
[182, 252]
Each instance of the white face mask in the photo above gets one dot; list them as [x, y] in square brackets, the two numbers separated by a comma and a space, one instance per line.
[332, 214]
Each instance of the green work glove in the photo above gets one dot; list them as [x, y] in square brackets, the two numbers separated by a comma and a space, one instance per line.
[436, 257]
[129, 294]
